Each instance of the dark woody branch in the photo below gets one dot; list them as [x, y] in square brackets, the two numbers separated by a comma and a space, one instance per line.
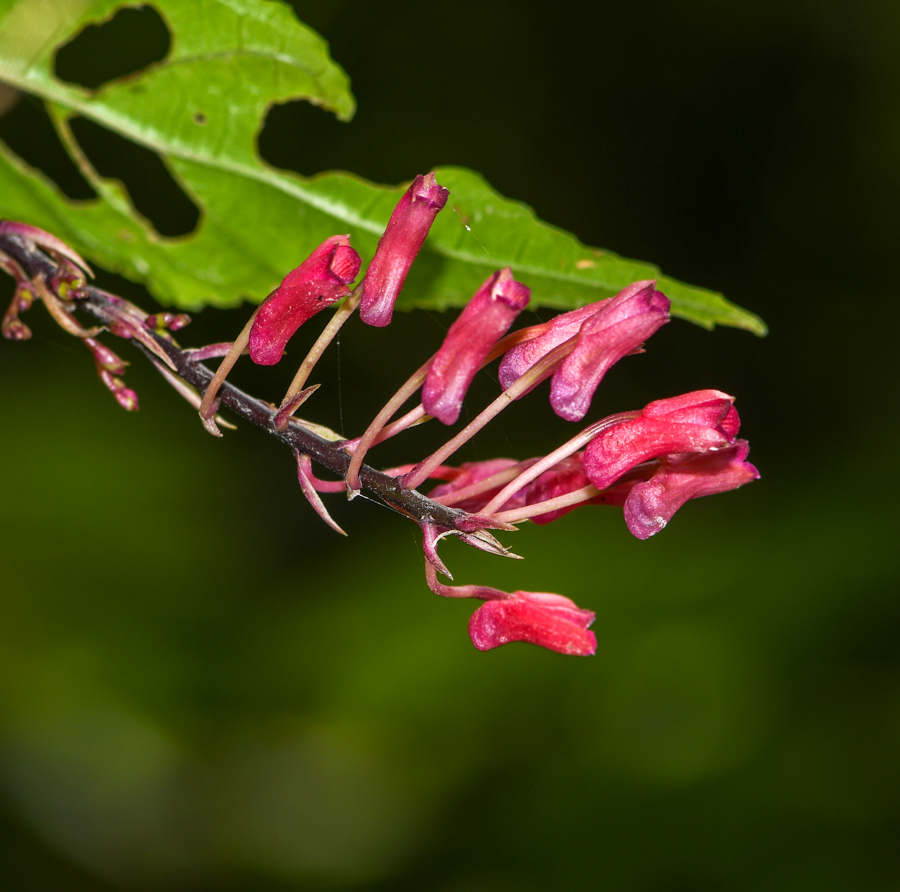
[102, 307]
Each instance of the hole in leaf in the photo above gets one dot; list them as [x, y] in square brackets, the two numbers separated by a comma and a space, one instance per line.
[27, 129]
[130, 41]
[318, 146]
[154, 192]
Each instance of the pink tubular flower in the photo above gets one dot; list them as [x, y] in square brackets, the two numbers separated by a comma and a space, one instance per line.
[700, 421]
[553, 333]
[402, 239]
[612, 332]
[606, 330]
[547, 620]
[318, 282]
[485, 319]
[651, 504]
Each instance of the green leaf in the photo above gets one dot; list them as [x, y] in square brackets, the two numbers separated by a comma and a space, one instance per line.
[201, 109]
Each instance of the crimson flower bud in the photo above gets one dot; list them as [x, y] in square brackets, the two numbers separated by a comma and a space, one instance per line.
[615, 330]
[125, 396]
[104, 357]
[547, 620]
[651, 504]
[700, 421]
[402, 239]
[318, 282]
[486, 318]
[171, 321]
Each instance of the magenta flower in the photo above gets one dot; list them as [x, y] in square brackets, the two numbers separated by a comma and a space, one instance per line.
[547, 620]
[606, 331]
[318, 282]
[700, 421]
[651, 504]
[402, 239]
[616, 329]
[553, 333]
[486, 318]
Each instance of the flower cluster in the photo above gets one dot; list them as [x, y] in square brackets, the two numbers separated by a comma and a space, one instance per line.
[648, 462]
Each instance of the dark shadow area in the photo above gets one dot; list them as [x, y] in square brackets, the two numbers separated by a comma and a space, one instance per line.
[130, 41]
[31, 863]
[153, 190]
[28, 131]
[301, 137]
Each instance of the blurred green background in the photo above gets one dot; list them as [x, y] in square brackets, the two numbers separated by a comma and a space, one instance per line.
[202, 687]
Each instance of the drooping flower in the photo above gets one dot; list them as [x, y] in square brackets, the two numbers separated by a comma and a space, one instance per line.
[615, 330]
[605, 331]
[693, 422]
[318, 282]
[485, 319]
[402, 239]
[558, 330]
[651, 504]
[541, 618]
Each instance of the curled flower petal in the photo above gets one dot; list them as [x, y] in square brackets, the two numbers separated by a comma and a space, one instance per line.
[651, 504]
[318, 282]
[402, 239]
[486, 318]
[710, 408]
[694, 422]
[547, 620]
[614, 331]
